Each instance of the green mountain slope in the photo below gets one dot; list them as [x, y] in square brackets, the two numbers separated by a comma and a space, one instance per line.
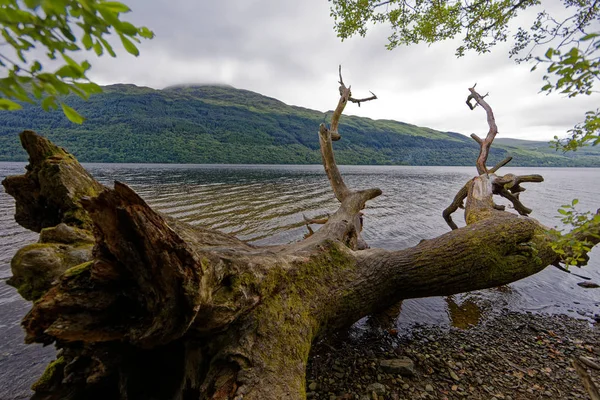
[220, 124]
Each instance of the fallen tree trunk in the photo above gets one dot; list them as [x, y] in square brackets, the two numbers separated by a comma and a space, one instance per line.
[165, 310]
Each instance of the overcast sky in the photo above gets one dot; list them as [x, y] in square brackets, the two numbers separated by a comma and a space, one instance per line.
[288, 49]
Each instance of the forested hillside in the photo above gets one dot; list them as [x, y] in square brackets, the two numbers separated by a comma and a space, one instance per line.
[220, 124]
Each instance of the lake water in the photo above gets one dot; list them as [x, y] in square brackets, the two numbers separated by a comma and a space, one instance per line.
[265, 204]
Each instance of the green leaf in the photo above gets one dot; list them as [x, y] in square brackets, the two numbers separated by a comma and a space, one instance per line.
[98, 49]
[48, 103]
[73, 115]
[32, 3]
[589, 36]
[127, 28]
[108, 47]
[67, 71]
[146, 33]
[9, 105]
[86, 40]
[37, 90]
[115, 6]
[36, 67]
[129, 46]
[549, 53]
[111, 17]
[68, 34]
[89, 87]
[574, 202]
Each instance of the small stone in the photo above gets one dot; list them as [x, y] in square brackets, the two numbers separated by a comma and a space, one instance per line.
[454, 376]
[402, 366]
[429, 388]
[313, 386]
[378, 388]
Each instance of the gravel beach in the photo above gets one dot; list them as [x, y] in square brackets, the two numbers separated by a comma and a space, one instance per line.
[509, 356]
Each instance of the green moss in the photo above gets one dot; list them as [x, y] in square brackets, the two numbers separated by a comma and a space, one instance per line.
[52, 375]
[286, 319]
[32, 283]
[78, 269]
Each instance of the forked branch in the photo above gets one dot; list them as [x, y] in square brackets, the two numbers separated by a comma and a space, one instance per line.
[480, 190]
[486, 143]
[346, 223]
[326, 136]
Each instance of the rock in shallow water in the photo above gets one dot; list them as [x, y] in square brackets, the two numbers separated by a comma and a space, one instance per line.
[588, 285]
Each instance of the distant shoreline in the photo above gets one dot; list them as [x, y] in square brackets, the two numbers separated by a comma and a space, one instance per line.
[170, 165]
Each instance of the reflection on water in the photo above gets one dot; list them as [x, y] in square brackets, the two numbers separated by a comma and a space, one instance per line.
[464, 315]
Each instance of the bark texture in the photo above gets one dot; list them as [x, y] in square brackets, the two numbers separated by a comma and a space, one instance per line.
[164, 310]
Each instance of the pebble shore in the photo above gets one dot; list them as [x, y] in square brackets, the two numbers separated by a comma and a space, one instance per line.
[510, 356]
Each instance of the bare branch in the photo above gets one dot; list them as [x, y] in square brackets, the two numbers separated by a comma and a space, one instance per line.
[499, 207]
[456, 204]
[318, 221]
[477, 138]
[308, 221]
[487, 143]
[326, 136]
[513, 182]
[340, 189]
[358, 101]
[519, 207]
[310, 232]
[500, 164]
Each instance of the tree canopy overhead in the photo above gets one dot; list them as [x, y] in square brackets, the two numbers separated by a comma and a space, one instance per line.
[564, 37]
[61, 28]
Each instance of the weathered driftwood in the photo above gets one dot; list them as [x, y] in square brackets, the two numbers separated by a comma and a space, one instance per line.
[165, 310]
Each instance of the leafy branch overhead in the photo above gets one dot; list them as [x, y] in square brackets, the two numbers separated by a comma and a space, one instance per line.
[565, 40]
[62, 28]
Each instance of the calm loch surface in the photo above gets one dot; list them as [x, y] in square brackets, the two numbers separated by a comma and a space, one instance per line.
[265, 204]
